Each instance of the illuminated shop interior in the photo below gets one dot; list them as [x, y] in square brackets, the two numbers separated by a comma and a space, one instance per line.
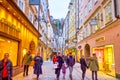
[9, 46]
[105, 56]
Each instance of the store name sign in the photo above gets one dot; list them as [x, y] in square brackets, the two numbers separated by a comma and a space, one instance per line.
[101, 39]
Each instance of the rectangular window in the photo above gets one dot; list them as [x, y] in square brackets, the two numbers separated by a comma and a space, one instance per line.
[95, 1]
[85, 11]
[87, 31]
[30, 16]
[90, 5]
[21, 4]
[98, 21]
[108, 12]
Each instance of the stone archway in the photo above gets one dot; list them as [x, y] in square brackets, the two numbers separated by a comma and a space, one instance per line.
[87, 50]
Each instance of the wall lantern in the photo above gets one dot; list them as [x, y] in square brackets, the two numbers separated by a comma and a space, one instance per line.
[94, 21]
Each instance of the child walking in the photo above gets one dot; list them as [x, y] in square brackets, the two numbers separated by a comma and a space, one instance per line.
[64, 67]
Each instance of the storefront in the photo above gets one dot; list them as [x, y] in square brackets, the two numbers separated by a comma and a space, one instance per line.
[105, 56]
[9, 46]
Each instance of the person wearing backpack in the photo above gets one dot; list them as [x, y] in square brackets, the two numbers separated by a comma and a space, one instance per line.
[70, 63]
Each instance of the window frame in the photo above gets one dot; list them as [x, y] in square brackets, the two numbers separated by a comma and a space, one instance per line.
[106, 10]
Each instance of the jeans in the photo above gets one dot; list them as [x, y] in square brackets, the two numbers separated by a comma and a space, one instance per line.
[94, 73]
[5, 78]
[71, 70]
[26, 68]
[83, 74]
[57, 72]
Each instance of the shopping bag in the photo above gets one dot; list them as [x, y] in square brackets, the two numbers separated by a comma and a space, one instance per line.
[56, 65]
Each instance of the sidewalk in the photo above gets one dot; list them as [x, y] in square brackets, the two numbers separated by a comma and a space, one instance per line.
[48, 74]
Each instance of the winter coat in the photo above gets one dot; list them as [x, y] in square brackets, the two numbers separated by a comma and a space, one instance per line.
[9, 69]
[83, 64]
[55, 59]
[38, 65]
[93, 64]
[70, 61]
[60, 61]
[64, 69]
[27, 59]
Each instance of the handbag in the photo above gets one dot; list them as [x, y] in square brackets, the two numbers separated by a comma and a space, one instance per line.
[56, 65]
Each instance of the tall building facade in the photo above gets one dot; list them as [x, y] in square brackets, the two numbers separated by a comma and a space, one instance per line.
[65, 34]
[45, 30]
[72, 27]
[99, 33]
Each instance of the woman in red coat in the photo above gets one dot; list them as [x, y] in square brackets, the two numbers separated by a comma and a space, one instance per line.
[55, 59]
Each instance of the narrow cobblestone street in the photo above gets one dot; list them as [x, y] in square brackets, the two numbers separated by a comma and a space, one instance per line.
[48, 74]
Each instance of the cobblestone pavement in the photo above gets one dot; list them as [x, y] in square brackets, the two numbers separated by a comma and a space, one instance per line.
[48, 74]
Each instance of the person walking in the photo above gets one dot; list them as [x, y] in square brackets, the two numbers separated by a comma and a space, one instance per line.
[38, 61]
[60, 62]
[55, 59]
[6, 68]
[70, 64]
[64, 67]
[94, 67]
[26, 62]
[83, 66]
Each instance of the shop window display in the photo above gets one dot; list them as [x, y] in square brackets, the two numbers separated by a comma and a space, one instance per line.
[9, 46]
[105, 56]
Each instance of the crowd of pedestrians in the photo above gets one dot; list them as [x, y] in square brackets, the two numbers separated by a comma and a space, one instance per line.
[69, 61]
[60, 62]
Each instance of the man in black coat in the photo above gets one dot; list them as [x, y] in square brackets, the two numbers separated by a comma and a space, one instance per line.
[60, 62]
[83, 66]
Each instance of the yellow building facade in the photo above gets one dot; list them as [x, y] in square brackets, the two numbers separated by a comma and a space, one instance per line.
[17, 34]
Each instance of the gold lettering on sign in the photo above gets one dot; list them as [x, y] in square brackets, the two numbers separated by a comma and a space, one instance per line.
[101, 39]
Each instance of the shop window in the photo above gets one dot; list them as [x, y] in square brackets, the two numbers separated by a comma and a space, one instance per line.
[11, 47]
[108, 12]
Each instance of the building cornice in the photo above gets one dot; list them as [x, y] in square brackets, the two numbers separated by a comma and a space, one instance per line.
[19, 13]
